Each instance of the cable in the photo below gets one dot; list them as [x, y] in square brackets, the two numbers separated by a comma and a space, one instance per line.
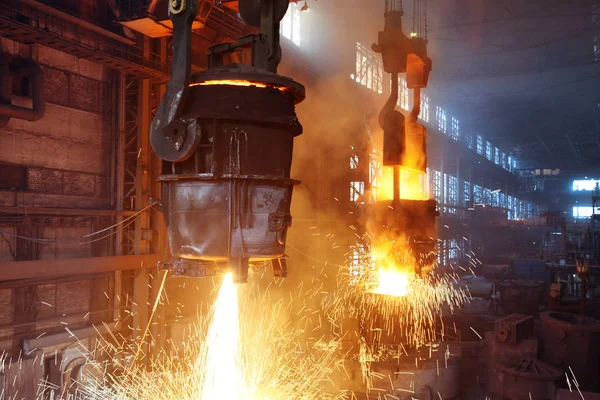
[311, 257]
[72, 240]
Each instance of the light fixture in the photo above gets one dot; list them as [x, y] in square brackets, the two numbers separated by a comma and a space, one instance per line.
[413, 34]
[496, 191]
[304, 7]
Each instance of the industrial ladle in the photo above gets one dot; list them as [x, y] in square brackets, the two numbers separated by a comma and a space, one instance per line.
[225, 136]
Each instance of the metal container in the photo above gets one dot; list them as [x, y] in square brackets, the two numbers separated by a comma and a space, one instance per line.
[413, 220]
[572, 342]
[230, 200]
[422, 375]
[527, 379]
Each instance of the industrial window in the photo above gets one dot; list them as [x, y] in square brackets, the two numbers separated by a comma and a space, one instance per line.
[452, 199]
[496, 198]
[510, 208]
[477, 194]
[487, 196]
[402, 94]
[369, 69]
[445, 191]
[480, 145]
[436, 182]
[452, 251]
[455, 132]
[354, 161]
[509, 163]
[467, 193]
[529, 210]
[489, 151]
[424, 115]
[516, 208]
[469, 141]
[503, 160]
[502, 200]
[587, 185]
[584, 212]
[357, 190]
[440, 115]
[514, 164]
[359, 257]
[443, 252]
[13, 177]
[290, 24]
[497, 155]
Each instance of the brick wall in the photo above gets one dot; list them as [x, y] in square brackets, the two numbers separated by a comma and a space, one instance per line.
[45, 180]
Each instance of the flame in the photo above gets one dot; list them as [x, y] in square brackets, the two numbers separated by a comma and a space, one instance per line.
[238, 82]
[411, 184]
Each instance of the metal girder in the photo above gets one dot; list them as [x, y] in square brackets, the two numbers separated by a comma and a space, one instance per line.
[39, 269]
[117, 57]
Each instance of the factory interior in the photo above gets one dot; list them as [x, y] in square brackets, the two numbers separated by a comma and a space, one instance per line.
[389, 199]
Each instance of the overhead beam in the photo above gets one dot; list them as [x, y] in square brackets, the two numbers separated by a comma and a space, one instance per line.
[41, 269]
[63, 211]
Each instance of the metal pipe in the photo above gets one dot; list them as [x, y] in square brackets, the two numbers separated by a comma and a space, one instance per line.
[39, 104]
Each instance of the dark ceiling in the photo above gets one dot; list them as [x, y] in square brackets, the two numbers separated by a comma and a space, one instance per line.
[523, 74]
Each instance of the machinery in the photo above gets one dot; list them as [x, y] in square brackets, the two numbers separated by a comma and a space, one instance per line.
[404, 139]
[225, 136]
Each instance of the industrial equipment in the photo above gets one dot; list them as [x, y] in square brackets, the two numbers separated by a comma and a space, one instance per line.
[225, 136]
[514, 328]
[16, 67]
[572, 343]
[404, 139]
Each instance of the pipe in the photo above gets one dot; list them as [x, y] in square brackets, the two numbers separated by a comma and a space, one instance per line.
[38, 109]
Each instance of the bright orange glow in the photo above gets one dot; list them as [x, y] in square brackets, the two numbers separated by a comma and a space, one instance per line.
[221, 360]
[392, 279]
[392, 282]
[227, 82]
[411, 185]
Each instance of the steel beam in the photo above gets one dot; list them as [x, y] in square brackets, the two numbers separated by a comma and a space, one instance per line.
[63, 211]
[39, 269]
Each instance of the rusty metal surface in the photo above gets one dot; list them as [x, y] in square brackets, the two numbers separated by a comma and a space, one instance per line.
[520, 297]
[514, 328]
[422, 373]
[570, 340]
[213, 219]
[527, 378]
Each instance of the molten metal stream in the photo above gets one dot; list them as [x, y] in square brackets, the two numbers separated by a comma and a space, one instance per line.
[223, 372]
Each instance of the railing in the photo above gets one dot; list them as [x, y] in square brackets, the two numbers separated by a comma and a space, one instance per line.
[37, 29]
